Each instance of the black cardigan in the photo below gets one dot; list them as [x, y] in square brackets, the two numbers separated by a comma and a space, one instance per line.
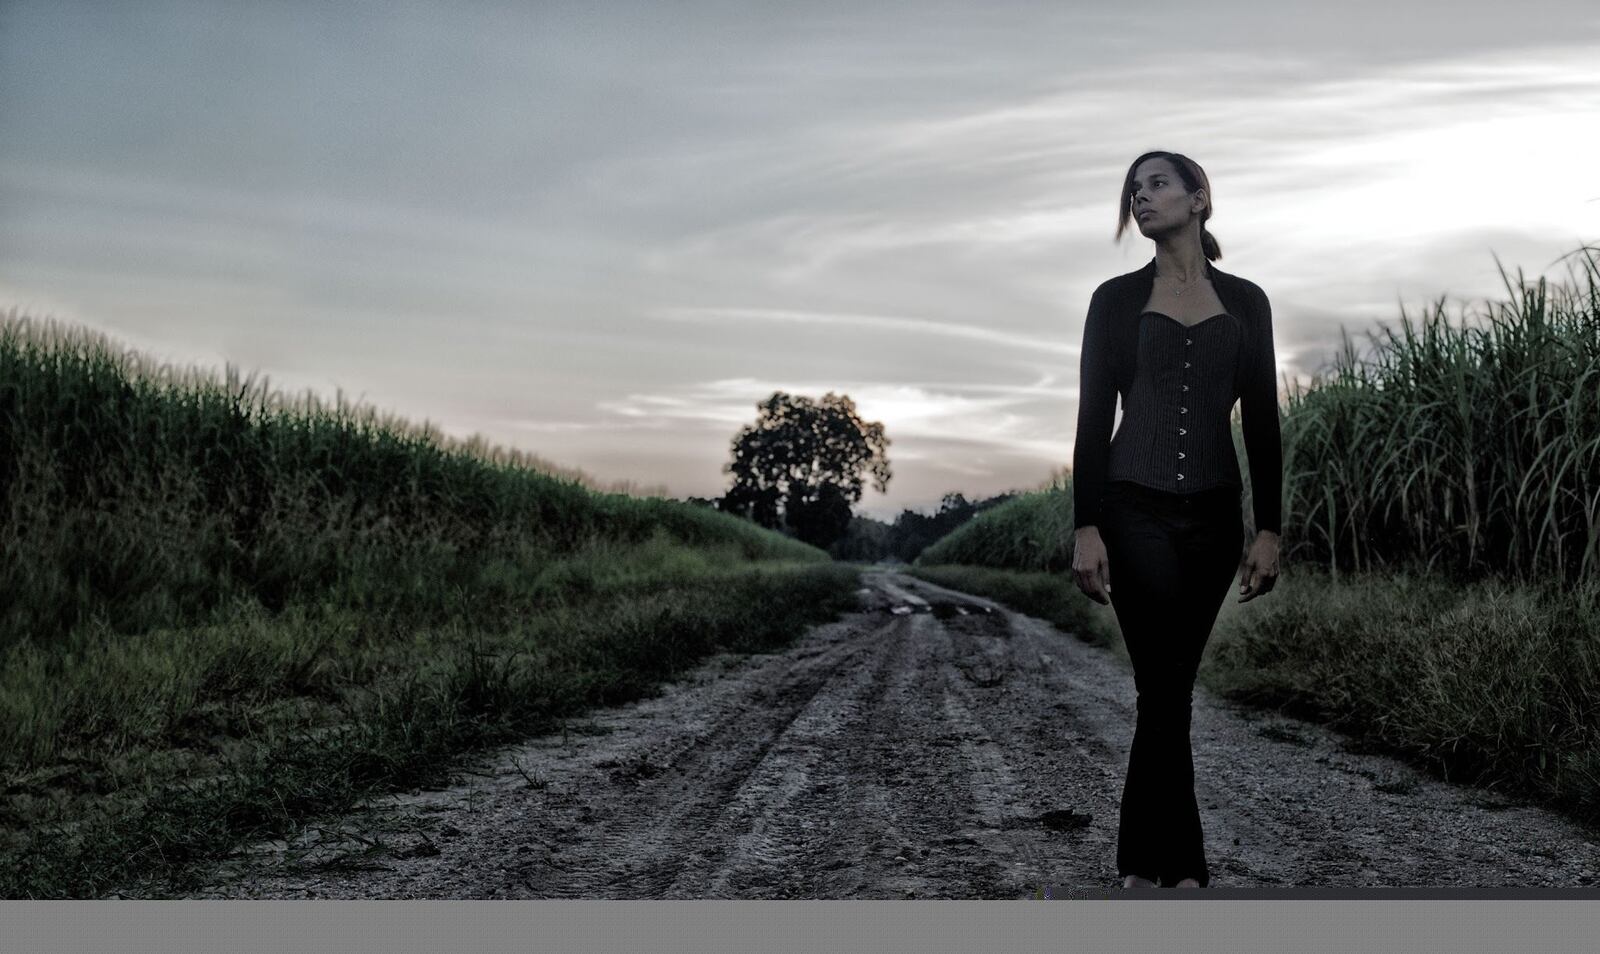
[1106, 370]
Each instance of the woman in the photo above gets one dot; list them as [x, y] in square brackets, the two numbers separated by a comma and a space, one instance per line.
[1157, 507]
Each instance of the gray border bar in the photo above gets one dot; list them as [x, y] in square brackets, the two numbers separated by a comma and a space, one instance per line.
[1050, 892]
[1457, 926]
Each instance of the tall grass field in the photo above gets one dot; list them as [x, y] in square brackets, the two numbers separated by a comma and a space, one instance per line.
[224, 612]
[1440, 586]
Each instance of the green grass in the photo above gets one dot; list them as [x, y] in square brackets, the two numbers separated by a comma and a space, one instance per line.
[219, 761]
[145, 497]
[1031, 532]
[1471, 447]
[1496, 685]
[222, 614]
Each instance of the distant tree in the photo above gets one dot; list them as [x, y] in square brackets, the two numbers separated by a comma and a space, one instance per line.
[802, 464]
[912, 532]
[865, 540]
[818, 518]
[955, 507]
[761, 504]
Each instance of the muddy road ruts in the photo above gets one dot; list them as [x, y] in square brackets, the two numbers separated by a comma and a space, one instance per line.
[931, 745]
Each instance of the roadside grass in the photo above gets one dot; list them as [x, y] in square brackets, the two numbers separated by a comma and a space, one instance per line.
[196, 741]
[139, 497]
[1496, 685]
[1031, 532]
[1473, 446]
[224, 612]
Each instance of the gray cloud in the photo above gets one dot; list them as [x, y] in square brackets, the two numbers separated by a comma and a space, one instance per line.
[556, 222]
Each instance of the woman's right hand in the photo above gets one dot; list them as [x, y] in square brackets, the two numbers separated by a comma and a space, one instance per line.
[1090, 568]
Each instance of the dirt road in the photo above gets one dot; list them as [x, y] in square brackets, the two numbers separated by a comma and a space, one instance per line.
[932, 745]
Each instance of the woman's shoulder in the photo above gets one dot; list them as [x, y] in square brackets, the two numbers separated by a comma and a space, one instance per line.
[1120, 285]
[1241, 285]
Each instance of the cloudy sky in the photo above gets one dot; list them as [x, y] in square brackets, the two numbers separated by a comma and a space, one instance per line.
[602, 231]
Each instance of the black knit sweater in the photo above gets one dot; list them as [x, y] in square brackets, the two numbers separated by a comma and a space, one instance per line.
[1140, 356]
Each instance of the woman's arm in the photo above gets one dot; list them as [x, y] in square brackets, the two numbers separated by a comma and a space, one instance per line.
[1097, 405]
[1258, 418]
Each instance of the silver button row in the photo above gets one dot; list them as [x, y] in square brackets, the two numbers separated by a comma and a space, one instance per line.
[1183, 410]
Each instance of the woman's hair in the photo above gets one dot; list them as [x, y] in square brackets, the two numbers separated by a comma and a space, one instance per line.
[1193, 177]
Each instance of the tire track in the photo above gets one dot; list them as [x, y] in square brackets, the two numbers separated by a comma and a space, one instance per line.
[932, 745]
[919, 817]
[666, 829]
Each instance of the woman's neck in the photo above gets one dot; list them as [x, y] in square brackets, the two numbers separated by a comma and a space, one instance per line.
[1180, 260]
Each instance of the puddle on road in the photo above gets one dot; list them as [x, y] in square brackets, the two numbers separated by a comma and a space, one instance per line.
[941, 610]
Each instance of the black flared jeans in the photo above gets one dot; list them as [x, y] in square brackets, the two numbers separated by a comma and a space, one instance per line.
[1171, 559]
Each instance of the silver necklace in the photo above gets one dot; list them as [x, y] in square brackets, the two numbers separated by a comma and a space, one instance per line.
[1186, 286]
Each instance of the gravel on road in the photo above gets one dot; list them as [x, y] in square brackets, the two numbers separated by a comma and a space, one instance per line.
[932, 744]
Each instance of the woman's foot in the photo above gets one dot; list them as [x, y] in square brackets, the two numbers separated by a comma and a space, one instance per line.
[1187, 883]
[1134, 881]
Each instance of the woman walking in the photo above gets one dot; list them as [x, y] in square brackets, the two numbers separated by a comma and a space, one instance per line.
[1157, 507]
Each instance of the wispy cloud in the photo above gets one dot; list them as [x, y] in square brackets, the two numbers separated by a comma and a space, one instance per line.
[996, 416]
[909, 326]
[609, 232]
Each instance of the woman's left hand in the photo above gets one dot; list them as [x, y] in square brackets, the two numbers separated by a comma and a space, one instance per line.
[1258, 571]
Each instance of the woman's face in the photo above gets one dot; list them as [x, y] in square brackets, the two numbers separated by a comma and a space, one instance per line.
[1156, 197]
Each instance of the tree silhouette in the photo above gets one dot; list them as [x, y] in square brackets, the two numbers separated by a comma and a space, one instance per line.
[800, 465]
[867, 540]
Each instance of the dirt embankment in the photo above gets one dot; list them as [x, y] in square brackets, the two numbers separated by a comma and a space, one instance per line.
[932, 745]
